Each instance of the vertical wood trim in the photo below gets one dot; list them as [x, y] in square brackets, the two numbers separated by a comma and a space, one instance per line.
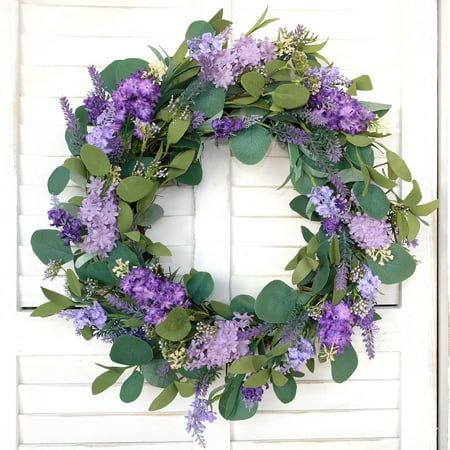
[212, 245]
[419, 143]
[9, 27]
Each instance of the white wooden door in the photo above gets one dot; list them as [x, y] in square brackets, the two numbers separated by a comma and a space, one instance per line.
[389, 404]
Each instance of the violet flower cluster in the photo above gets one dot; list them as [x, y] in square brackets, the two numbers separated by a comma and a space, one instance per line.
[369, 233]
[227, 126]
[69, 226]
[91, 316]
[252, 396]
[223, 66]
[297, 355]
[155, 296]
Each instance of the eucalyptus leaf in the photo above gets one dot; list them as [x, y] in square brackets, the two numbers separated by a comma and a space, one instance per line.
[200, 286]
[251, 144]
[374, 202]
[58, 180]
[95, 160]
[48, 246]
[176, 326]
[132, 387]
[130, 351]
[290, 96]
[275, 302]
[105, 381]
[134, 188]
[153, 373]
[164, 398]
[344, 364]
[243, 304]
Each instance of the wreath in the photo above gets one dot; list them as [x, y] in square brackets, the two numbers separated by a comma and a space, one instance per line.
[141, 128]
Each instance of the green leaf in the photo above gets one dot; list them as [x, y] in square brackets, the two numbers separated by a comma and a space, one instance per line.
[164, 398]
[57, 298]
[359, 140]
[399, 269]
[363, 83]
[125, 217]
[124, 253]
[414, 196]
[253, 82]
[287, 392]
[152, 373]
[200, 286]
[374, 202]
[210, 101]
[58, 180]
[130, 351]
[176, 130]
[100, 271]
[334, 252]
[222, 309]
[275, 302]
[77, 171]
[243, 304]
[425, 208]
[127, 67]
[133, 235]
[380, 179]
[132, 189]
[132, 387]
[413, 226]
[299, 205]
[344, 364]
[197, 28]
[231, 403]
[247, 364]
[176, 326]
[303, 268]
[290, 95]
[48, 246]
[398, 166]
[321, 276]
[73, 282]
[150, 215]
[185, 388]
[158, 249]
[278, 379]
[108, 75]
[314, 48]
[181, 163]
[106, 380]
[278, 350]
[46, 310]
[193, 176]
[87, 333]
[251, 144]
[96, 162]
[379, 108]
[257, 379]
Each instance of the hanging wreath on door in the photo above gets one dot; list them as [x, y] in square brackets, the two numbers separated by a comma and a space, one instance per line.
[142, 128]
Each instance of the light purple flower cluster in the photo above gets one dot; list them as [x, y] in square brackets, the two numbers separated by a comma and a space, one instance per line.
[328, 76]
[368, 285]
[223, 66]
[197, 119]
[225, 342]
[227, 126]
[252, 395]
[72, 123]
[334, 109]
[340, 281]
[98, 212]
[335, 326]
[289, 134]
[96, 102]
[156, 296]
[69, 226]
[136, 98]
[333, 208]
[297, 355]
[91, 316]
[369, 233]
[200, 412]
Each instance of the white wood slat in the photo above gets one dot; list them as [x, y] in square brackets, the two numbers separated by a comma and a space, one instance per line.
[113, 446]
[49, 370]
[312, 396]
[357, 444]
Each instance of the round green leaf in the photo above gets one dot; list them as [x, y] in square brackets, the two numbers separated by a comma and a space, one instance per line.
[290, 95]
[58, 180]
[176, 325]
[100, 271]
[48, 246]
[253, 82]
[150, 215]
[124, 253]
[131, 351]
[132, 387]
[152, 373]
[210, 101]
[286, 392]
[108, 75]
[399, 269]
[125, 217]
[197, 28]
[275, 302]
[251, 144]
[96, 162]
[193, 176]
[243, 304]
[200, 286]
[374, 202]
[132, 189]
[344, 364]
[129, 66]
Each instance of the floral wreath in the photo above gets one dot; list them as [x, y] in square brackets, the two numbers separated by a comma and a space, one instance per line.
[141, 128]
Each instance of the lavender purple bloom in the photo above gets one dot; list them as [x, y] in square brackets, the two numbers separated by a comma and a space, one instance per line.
[369, 233]
[252, 396]
[69, 226]
[155, 296]
[91, 316]
[297, 355]
[368, 285]
[98, 212]
[227, 126]
[72, 122]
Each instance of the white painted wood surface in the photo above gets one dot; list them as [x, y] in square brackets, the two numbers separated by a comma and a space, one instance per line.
[236, 224]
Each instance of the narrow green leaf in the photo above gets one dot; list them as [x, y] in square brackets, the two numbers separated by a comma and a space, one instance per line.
[57, 298]
[158, 249]
[176, 130]
[132, 387]
[278, 379]
[398, 166]
[257, 379]
[247, 364]
[425, 208]
[73, 282]
[105, 381]
[164, 398]
[414, 196]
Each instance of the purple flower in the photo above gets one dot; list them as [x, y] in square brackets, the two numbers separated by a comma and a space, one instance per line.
[200, 411]
[98, 212]
[95, 105]
[297, 355]
[72, 123]
[368, 285]
[340, 281]
[220, 344]
[334, 109]
[329, 76]
[369, 233]
[225, 127]
[252, 395]
[135, 98]
[69, 226]
[197, 119]
[331, 225]
[155, 296]
[326, 203]
[289, 134]
[120, 304]
[335, 326]
[91, 316]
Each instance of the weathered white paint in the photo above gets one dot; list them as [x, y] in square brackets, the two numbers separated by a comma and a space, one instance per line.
[236, 224]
